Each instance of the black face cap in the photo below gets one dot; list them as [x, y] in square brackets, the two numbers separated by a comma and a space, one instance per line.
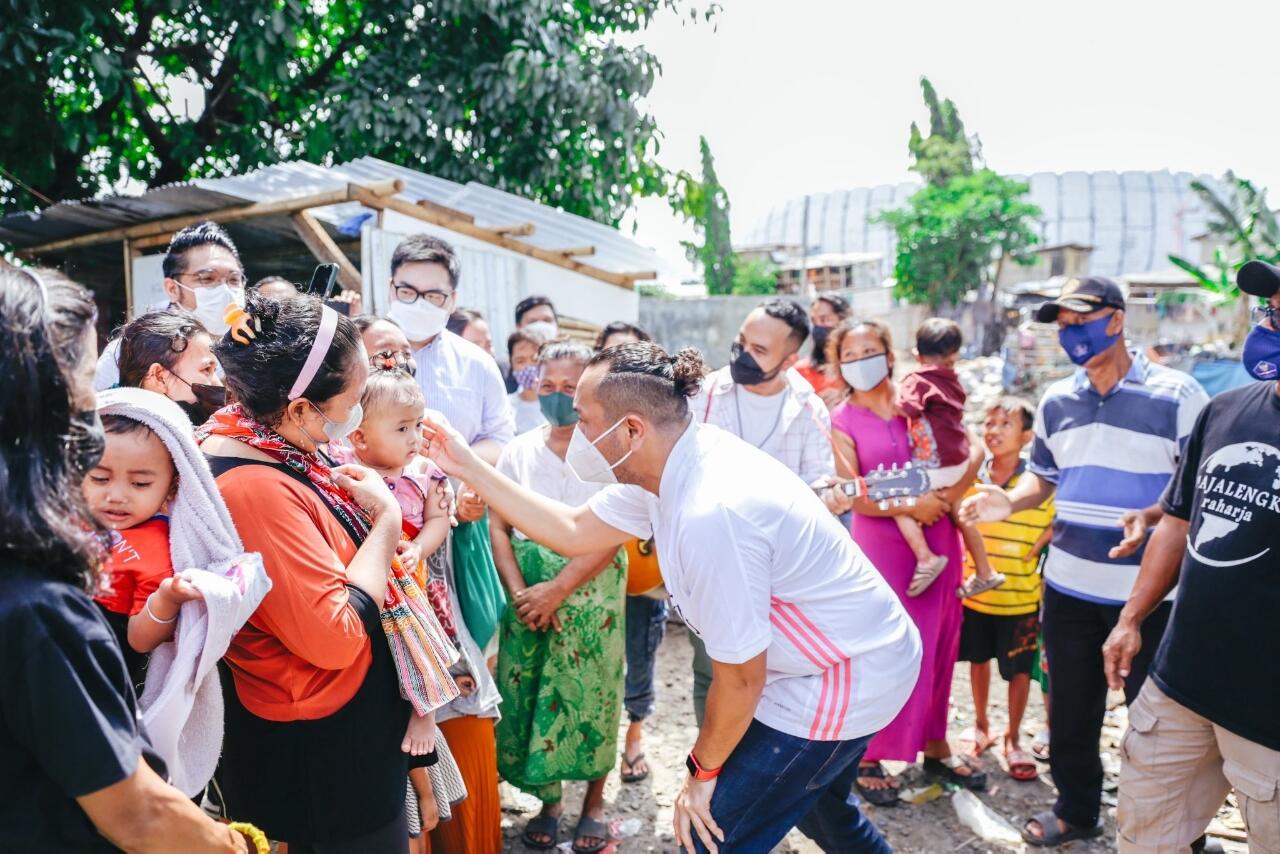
[1259, 278]
[1083, 295]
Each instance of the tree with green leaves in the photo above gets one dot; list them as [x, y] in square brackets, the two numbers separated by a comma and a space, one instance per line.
[705, 203]
[537, 97]
[956, 230]
[1246, 229]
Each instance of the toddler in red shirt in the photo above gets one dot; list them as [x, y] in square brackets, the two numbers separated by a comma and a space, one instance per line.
[128, 492]
[932, 399]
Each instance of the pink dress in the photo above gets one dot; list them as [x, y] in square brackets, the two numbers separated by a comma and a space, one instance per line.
[937, 612]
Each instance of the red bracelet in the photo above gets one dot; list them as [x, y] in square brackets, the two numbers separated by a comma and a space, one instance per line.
[697, 772]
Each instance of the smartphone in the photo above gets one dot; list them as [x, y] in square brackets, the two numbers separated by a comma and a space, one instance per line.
[324, 284]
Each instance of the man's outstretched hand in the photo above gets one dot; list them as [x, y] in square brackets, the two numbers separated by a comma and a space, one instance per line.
[446, 448]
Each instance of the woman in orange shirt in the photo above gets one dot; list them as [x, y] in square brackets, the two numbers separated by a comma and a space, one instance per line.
[315, 720]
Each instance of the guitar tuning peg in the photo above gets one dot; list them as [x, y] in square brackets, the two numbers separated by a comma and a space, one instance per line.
[880, 467]
[883, 505]
[893, 467]
[911, 502]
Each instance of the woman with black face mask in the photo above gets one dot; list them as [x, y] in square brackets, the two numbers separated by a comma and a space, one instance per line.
[78, 773]
[171, 353]
[825, 313]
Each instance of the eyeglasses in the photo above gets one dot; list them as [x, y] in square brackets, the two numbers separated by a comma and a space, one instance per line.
[212, 278]
[1268, 313]
[409, 294]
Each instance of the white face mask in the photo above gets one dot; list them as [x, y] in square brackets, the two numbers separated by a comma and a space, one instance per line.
[334, 431]
[866, 373]
[211, 306]
[544, 329]
[420, 320]
[586, 460]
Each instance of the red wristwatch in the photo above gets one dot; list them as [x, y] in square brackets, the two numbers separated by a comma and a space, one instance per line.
[697, 772]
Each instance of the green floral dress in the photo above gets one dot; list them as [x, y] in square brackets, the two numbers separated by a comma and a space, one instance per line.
[562, 691]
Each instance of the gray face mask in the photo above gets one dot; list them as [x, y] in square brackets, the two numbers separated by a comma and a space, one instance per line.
[866, 373]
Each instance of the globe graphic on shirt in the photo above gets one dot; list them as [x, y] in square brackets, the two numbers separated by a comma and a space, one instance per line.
[1236, 481]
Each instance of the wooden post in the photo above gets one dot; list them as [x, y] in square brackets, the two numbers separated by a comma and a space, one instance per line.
[325, 250]
[577, 250]
[129, 254]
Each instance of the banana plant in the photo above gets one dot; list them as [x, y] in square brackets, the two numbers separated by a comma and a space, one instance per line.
[1247, 227]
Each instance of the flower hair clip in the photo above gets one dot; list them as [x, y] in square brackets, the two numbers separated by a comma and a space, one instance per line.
[239, 320]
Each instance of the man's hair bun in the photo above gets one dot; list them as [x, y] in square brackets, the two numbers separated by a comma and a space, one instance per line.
[687, 370]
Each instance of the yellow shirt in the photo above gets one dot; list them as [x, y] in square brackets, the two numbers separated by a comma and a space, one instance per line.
[1007, 543]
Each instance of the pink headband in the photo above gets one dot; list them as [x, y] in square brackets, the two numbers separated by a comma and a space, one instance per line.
[319, 349]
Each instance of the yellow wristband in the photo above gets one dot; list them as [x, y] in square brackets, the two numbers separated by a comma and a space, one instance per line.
[256, 837]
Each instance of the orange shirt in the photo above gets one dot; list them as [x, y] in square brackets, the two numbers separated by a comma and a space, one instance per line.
[304, 653]
[138, 561]
[817, 377]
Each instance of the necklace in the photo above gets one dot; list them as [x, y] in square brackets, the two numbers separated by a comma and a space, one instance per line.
[777, 419]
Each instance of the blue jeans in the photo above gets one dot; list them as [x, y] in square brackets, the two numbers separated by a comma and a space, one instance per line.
[774, 782]
[646, 624]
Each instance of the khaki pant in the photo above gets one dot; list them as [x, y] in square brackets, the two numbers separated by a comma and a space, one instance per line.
[1178, 768]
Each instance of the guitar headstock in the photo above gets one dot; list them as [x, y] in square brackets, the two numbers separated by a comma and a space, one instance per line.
[896, 485]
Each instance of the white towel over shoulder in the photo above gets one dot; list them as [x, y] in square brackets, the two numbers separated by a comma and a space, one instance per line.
[182, 701]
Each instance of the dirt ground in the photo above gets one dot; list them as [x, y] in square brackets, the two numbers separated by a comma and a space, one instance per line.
[929, 827]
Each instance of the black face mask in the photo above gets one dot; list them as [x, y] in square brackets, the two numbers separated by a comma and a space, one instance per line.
[820, 335]
[745, 370]
[86, 442]
[208, 400]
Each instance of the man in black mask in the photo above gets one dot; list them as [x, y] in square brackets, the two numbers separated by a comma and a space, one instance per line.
[760, 399]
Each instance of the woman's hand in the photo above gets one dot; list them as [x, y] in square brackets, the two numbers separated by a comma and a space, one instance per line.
[447, 449]
[929, 508]
[368, 490]
[536, 606]
[470, 505]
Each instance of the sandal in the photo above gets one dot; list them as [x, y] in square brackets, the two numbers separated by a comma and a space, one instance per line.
[977, 741]
[926, 574]
[1022, 765]
[886, 797]
[1040, 746]
[590, 828]
[1051, 835]
[974, 781]
[974, 585]
[543, 825]
[629, 762]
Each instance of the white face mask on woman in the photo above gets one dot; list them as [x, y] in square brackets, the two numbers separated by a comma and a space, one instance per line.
[420, 320]
[866, 373]
[586, 460]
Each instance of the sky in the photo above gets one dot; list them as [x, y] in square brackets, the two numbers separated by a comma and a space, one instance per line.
[802, 96]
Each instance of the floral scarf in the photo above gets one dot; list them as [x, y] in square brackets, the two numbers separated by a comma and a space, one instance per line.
[421, 652]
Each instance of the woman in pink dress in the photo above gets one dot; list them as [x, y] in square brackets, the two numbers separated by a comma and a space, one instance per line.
[868, 431]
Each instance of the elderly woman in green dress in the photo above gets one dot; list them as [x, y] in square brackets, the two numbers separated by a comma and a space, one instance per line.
[561, 645]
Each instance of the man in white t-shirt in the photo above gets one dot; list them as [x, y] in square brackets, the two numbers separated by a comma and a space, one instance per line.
[761, 400]
[813, 653]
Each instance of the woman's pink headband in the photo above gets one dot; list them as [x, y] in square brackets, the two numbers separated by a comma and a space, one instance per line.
[319, 349]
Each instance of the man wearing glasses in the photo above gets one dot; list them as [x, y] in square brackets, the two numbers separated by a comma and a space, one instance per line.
[202, 274]
[1107, 440]
[459, 380]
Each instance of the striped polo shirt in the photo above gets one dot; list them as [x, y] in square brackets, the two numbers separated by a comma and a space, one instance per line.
[1008, 544]
[1107, 454]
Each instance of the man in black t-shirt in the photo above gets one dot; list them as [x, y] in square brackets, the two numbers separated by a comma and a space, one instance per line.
[1208, 718]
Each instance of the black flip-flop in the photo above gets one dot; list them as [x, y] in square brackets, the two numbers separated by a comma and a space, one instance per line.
[1052, 836]
[591, 828]
[542, 825]
[630, 762]
[887, 797]
[974, 781]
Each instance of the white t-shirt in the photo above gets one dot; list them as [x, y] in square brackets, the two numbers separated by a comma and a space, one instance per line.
[528, 461]
[107, 374]
[528, 413]
[754, 562]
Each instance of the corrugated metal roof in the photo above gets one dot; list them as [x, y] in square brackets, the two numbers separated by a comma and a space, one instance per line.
[1133, 220]
[554, 228]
